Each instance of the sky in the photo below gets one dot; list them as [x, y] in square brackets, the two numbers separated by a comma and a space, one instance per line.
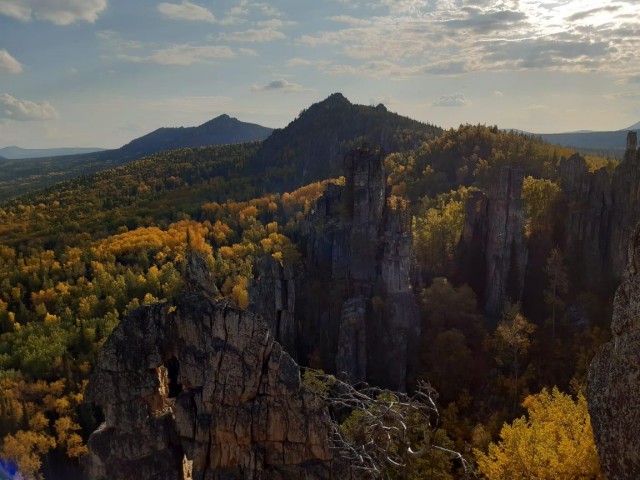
[98, 73]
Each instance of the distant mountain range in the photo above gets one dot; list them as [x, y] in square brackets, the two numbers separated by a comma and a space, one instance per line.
[16, 153]
[612, 142]
[219, 131]
[18, 176]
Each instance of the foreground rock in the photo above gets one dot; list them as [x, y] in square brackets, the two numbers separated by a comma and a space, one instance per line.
[613, 390]
[199, 390]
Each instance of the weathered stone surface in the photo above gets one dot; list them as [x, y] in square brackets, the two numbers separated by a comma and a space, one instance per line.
[613, 390]
[625, 193]
[199, 390]
[360, 246]
[494, 231]
[602, 211]
[272, 295]
[588, 204]
[351, 359]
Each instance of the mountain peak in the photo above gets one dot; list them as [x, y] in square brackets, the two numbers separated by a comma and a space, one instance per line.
[220, 130]
[336, 98]
[224, 118]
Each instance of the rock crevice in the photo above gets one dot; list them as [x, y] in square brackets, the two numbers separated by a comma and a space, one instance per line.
[199, 390]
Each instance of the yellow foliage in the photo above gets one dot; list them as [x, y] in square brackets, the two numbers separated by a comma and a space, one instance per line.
[26, 449]
[554, 442]
[149, 299]
[240, 293]
[68, 438]
[51, 319]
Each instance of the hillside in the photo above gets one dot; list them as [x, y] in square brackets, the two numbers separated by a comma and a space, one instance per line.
[221, 130]
[16, 153]
[18, 177]
[312, 146]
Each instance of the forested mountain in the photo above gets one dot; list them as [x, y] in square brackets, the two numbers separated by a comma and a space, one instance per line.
[222, 129]
[21, 176]
[374, 247]
[312, 146]
[15, 153]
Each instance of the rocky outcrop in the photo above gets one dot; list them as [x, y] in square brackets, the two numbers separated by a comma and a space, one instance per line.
[588, 206]
[625, 193]
[494, 232]
[272, 296]
[601, 213]
[358, 300]
[200, 390]
[613, 390]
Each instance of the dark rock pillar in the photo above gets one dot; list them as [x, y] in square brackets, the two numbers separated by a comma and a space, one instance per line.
[613, 388]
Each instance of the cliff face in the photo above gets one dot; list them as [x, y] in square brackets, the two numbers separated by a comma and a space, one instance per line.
[272, 295]
[625, 193]
[588, 204]
[358, 301]
[613, 390]
[200, 390]
[494, 231]
[601, 213]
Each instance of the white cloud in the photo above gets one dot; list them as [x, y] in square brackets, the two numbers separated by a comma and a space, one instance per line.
[454, 100]
[186, 11]
[498, 94]
[275, 23]
[452, 37]
[297, 62]
[25, 110]
[59, 12]
[254, 36]
[264, 8]
[281, 85]
[249, 52]
[182, 55]
[8, 64]
[349, 20]
[115, 42]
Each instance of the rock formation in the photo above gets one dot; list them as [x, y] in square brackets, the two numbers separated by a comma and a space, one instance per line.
[272, 295]
[494, 232]
[625, 193]
[200, 390]
[613, 390]
[601, 212]
[588, 205]
[359, 245]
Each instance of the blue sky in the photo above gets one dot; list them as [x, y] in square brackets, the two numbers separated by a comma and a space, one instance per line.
[102, 72]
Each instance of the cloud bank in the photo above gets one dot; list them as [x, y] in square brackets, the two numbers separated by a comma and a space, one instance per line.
[25, 110]
[59, 12]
